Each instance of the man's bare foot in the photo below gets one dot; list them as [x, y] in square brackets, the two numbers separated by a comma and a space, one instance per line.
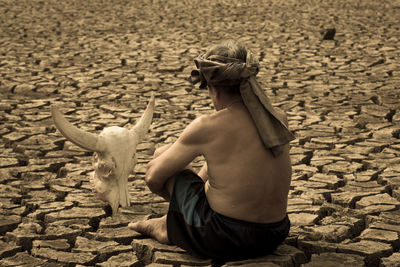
[156, 228]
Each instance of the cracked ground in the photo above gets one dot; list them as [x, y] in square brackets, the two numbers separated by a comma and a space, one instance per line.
[99, 61]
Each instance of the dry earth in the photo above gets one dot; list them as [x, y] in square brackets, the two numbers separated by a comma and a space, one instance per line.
[100, 60]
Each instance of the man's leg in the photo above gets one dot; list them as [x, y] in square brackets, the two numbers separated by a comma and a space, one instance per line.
[157, 228]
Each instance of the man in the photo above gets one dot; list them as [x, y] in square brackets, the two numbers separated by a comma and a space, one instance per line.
[235, 207]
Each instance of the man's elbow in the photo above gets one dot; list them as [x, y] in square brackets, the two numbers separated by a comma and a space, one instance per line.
[152, 182]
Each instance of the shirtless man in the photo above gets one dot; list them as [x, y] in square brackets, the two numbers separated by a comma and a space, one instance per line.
[235, 207]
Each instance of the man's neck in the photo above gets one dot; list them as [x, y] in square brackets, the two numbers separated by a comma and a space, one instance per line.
[227, 101]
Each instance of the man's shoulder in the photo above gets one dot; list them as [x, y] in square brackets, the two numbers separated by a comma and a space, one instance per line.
[200, 130]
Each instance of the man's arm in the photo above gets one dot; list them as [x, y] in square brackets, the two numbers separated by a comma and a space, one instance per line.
[189, 145]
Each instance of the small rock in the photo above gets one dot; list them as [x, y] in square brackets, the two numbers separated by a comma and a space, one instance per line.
[120, 220]
[331, 181]
[122, 235]
[8, 223]
[371, 250]
[329, 259]
[22, 259]
[384, 199]
[64, 257]
[24, 234]
[59, 244]
[302, 218]
[8, 249]
[284, 255]
[348, 199]
[329, 34]
[316, 247]
[128, 259]
[24, 88]
[391, 261]
[145, 248]
[75, 213]
[380, 235]
[330, 233]
[104, 250]
[179, 259]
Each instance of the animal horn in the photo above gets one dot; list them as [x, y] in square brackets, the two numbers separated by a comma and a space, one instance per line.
[77, 136]
[144, 122]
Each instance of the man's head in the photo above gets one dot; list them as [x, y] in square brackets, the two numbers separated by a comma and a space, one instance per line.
[228, 49]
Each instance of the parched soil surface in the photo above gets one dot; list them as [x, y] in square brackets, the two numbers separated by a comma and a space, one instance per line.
[99, 61]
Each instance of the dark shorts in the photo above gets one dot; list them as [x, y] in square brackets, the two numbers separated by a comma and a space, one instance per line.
[195, 227]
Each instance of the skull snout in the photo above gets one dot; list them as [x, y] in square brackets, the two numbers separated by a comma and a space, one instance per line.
[104, 169]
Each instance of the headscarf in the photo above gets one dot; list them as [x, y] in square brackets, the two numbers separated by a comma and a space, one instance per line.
[219, 70]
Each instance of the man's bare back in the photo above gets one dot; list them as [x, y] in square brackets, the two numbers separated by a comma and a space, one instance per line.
[244, 180]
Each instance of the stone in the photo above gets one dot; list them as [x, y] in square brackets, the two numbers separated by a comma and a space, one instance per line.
[23, 259]
[8, 223]
[348, 199]
[341, 167]
[8, 162]
[303, 219]
[120, 220]
[284, 255]
[254, 263]
[315, 247]
[391, 261]
[331, 181]
[396, 194]
[330, 233]
[164, 265]
[68, 229]
[104, 250]
[391, 216]
[179, 259]
[329, 34]
[385, 199]
[370, 186]
[293, 209]
[371, 250]
[128, 259]
[146, 247]
[380, 235]
[63, 257]
[58, 244]
[333, 259]
[365, 176]
[12, 193]
[24, 234]
[8, 249]
[76, 213]
[122, 235]
[385, 226]
[298, 256]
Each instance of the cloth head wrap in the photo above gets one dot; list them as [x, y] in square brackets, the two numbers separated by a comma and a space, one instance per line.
[219, 70]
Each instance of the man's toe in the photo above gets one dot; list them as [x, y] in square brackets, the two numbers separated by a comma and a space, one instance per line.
[132, 226]
[138, 227]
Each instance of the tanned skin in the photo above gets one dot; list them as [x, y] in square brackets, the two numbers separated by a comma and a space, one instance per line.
[242, 179]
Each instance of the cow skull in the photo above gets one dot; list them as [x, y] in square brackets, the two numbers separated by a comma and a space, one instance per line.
[115, 154]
